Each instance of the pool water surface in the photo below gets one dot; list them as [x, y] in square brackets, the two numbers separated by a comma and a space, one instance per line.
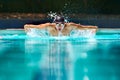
[25, 58]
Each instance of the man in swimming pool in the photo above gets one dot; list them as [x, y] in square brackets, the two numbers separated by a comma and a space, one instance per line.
[60, 27]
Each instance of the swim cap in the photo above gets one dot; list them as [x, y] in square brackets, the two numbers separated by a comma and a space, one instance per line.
[59, 19]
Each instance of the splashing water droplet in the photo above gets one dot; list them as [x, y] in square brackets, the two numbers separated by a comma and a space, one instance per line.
[52, 14]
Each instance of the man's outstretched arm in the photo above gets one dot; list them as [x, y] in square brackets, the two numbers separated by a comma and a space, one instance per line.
[79, 26]
[40, 26]
[37, 26]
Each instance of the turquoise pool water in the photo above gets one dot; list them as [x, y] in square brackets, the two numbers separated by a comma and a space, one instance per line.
[25, 58]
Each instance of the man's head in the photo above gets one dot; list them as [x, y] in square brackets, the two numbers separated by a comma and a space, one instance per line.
[59, 20]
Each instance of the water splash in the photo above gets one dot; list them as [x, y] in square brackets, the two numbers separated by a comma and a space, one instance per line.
[53, 15]
[83, 33]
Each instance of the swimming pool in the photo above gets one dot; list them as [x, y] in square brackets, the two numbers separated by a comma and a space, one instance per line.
[25, 58]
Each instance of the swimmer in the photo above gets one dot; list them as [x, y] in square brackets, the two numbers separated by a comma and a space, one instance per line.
[60, 27]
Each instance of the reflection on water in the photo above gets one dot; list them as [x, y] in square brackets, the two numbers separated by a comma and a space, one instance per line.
[56, 61]
[59, 59]
[73, 60]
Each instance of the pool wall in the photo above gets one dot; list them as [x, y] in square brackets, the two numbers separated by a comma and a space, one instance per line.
[100, 21]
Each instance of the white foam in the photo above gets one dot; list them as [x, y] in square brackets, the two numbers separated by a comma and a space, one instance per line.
[87, 33]
[33, 32]
[83, 33]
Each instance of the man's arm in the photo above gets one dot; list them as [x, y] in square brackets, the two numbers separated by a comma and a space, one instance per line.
[79, 26]
[40, 26]
[37, 26]
[89, 27]
[73, 24]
